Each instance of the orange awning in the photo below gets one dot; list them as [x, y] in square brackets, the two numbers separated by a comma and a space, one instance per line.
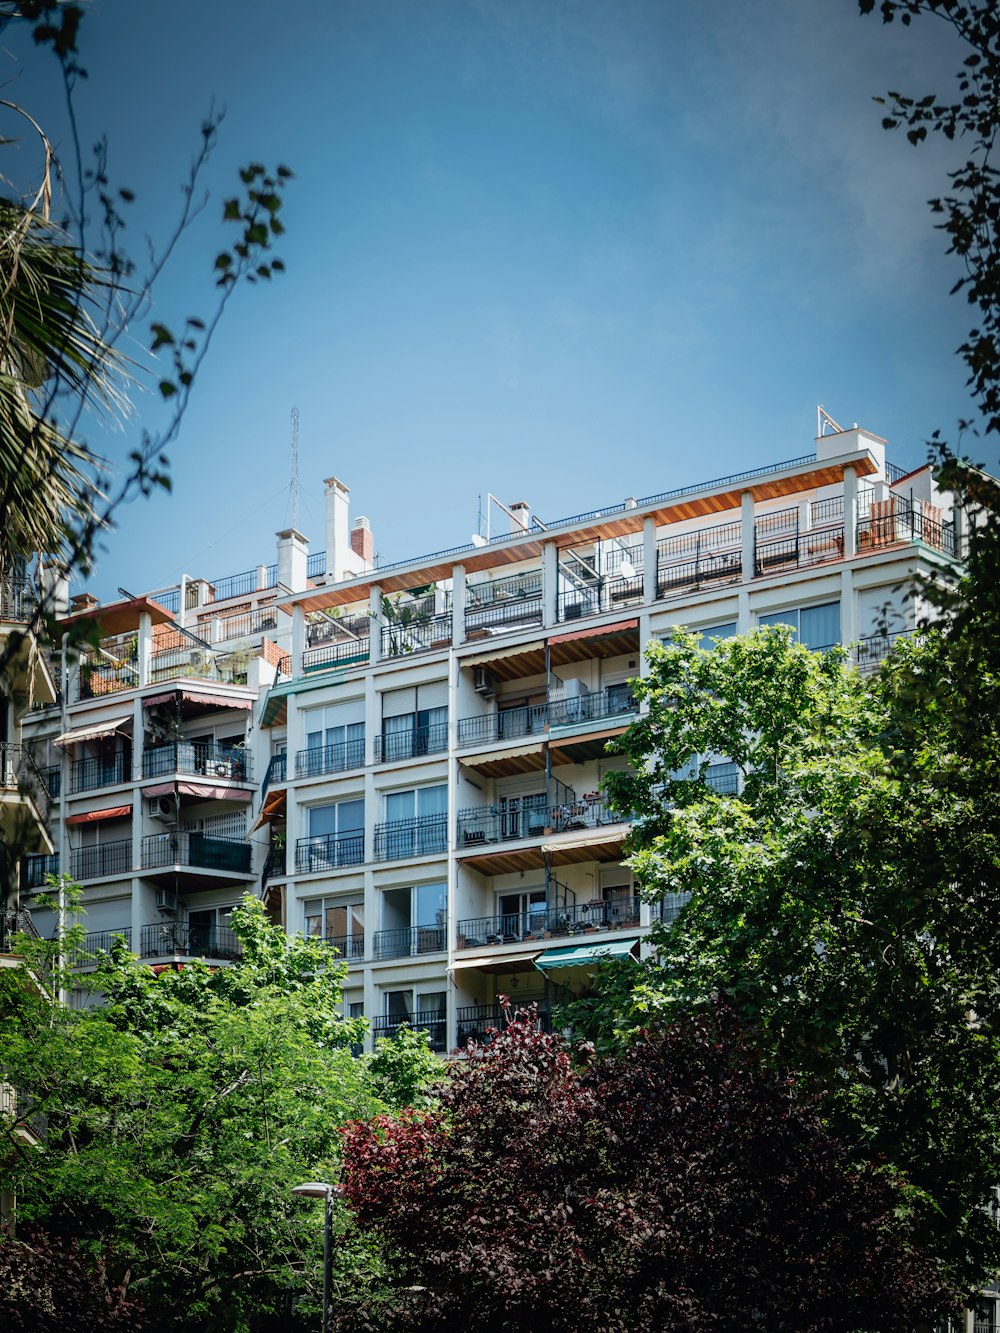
[92, 816]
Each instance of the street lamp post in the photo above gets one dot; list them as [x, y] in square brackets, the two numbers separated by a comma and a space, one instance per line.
[319, 1189]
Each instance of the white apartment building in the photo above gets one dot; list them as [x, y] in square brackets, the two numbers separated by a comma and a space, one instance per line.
[407, 760]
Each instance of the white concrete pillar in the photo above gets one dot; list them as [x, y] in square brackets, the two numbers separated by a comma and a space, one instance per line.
[744, 619]
[850, 511]
[298, 638]
[550, 584]
[293, 559]
[375, 623]
[848, 607]
[458, 604]
[649, 572]
[747, 535]
[144, 646]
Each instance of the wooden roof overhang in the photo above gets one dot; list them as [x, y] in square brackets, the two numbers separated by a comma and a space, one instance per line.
[508, 763]
[712, 499]
[119, 617]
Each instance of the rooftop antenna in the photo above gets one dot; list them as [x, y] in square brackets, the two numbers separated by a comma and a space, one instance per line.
[295, 468]
[824, 419]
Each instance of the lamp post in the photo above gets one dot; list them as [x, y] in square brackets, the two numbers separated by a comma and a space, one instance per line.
[319, 1189]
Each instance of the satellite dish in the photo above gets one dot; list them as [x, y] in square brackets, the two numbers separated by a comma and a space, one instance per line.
[627, 568]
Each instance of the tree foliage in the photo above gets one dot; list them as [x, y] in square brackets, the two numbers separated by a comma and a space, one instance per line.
[180, 1114]
[47, 1287]
[673, 1185]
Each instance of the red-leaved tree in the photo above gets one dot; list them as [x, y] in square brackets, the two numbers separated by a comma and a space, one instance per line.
[50, 1286]
[676, 1185]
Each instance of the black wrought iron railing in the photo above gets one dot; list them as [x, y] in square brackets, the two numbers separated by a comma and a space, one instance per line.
[423, 835]
[506, 724]
[235, 585]
[277, 771]
[902, 523]
[315, 564]
[500, 615]
[200, 851]
[98, 678]
[484, 825]
[52, 778]
[417, 635]
[329, 851]
[615, 701]
[336, 653]
[538, 922]
[395, 745]
[274, 863]
[171, 939]
[410, 940]
[351, 947]
[871, 651]
[96, 942]
[433, 1023]
[20, 773]
[604, 594]
[338, 758]
[102, 771]
[512, 588]
[671, 905]
[102, 860]
[701, 571]
[248, 624]
[482, 1022]
[18, 600]
[894, 473]
[799, 550]
[225, 763]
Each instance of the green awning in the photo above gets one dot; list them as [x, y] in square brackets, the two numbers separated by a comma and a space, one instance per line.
[277, 696]
[580, 955]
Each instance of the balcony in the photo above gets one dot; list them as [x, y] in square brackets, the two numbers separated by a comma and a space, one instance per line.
[351, 947]
[419, 634]
[423, 835]
[198, 851]
[101, 861]
[871, 652]
[320, 759]
[110, 669]
[101, 771]
[481, 1022]
[225, 763]
[336, 653]
[507, 724]
[100, 941]
[537, 923]
[484, 825]
[709, 557]
[21, 778]
[433, 1023]
[18, 600]
[329, 851]
[392, 746]
[594, 706]
[172, 939]
[410, 941]
[594, 596]
[494, 606]
[274, 864]
[894, 522]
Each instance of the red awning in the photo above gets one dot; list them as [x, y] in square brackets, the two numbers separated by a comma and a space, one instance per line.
[208, 790]
[159, 699]
[598, 631]
[192, 696]
[92, 816]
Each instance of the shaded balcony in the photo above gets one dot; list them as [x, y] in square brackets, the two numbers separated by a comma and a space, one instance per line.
[410, 941]
[506, 724]
[172, 939]
[495, 605]
[195, 851]
[422, 835]
[102, 860]
[540, 922]
[100, 771]
[694, 560]
[320, 759]
[350, 947]
[482, 1022]
[592, 706]
[417, 634]
[411, 743]
[432, 1022]
[224, 763]
[329, 851]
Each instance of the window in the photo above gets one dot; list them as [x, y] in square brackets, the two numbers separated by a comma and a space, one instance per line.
[334, 742]
[416, 823]
[414, 920]
[339, 922]
[336, 837]
[710, 632]
[521, 915]
[414, 722]
[209, 935]
[426, 1010]
[816, 627]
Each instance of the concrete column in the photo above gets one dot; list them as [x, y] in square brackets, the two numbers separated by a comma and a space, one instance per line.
[182, 612]
[144, 646]
[293, 559]
[298, 638]
[458, 604]
[649, 560]
[744, 620]
[848, 607]
[747, 534]
[375, 622]
[550, 584]
[261, 577]
[850, 512]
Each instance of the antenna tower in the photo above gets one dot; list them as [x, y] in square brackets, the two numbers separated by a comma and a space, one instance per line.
[295, 468]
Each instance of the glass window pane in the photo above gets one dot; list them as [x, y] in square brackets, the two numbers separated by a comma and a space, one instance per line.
[431, 904]
[820, 625]
[432, 800]
[781, 618]
[350, 816]
[399, 805]
[322, 819]
[705, 636]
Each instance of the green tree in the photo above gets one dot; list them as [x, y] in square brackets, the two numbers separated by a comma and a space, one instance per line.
[180, 1113]
[845, 901]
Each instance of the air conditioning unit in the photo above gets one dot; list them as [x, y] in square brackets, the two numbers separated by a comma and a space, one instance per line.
[163, 809]
[166, 900]
[574, 688]
[482, 682]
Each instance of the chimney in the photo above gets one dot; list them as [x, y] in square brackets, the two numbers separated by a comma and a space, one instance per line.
[520, 516]
[293, 559]
[83, 601]
[362, 541]
[339, 556]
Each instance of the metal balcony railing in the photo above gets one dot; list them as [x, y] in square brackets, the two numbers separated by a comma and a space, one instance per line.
[201, 851]
[905, 523]
[329, 851]
[535, 923]
[799, 550]
[395, 745]
[225, 763]
[274, 863]
[109, 671]
[351, 947]
[604, 594]
[615, 701]
[494, 617]
[20, 773]
[871, 651]
[507, 724]
[311, 763]
[417, 635]
[315, 564]
[38, 868]
[100, 941]
[235, 585]
[102, 771]
[168, 939]
[52, 778]
[484, 825]
[481, 1022]
[248, 624]
[102, 860]
[336, 653]
[433, 1023]
[410, 940]
[18, 600]
[671, 904]
[423, 835]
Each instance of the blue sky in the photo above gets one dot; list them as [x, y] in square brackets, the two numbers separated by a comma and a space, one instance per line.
[564, 251]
